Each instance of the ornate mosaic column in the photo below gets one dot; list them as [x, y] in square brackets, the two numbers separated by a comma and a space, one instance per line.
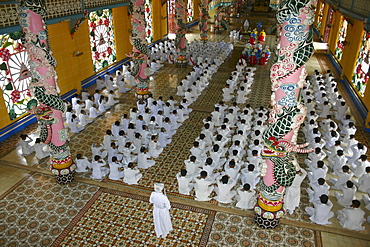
[181, 29]
[48, 107]
[287, 76]
[140, 52]
[204, 16]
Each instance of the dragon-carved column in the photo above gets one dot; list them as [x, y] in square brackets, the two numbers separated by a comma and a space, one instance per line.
[288, 112]
[47, 105]
[204, 16]
[181, 29]
[140, 52]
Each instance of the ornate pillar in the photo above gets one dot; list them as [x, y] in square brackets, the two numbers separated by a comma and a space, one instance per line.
[287, 76]
[181, 29]
[204, 16]
[48, 107]
[140, 52]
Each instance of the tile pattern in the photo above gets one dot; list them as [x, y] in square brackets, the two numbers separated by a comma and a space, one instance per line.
[121, 219]
[231, 230]
[36, 210]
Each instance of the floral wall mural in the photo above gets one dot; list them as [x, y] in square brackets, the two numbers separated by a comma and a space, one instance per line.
[149, 21]
[103, 49]
[362, 70]
[190, 12]
[14, 74]
[341, 39]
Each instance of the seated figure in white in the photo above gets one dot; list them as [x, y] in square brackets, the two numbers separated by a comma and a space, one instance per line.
[132, 174]
[223, 189]
[321, 212]
[183, 180]
[246, 197]
[348, 194]
[352, 217]
[203, 187]
[82, 163]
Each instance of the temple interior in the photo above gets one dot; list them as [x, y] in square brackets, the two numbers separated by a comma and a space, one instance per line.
[37, 211]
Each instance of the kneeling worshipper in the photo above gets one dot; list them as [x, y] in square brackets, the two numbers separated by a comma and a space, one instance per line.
[202, 187]
[161, 212]
[246, 197]
[320, 213]
[131, 174]
[223, 189]
[352, 217]
[184, 180]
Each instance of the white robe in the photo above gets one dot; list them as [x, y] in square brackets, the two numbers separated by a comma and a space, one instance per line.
[184, 184]
[27, 149]
[132, 175]
[115, 174]
[40, 151]
[352, 218]
[246, 199]
[293, 193]
[161, 214]
[82, 164]
[320, 213]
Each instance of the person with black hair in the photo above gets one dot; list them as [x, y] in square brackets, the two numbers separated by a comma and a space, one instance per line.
[348, 194]
[352, 217]
[183, 180]
[203, 187]
[224, 191]
[246, 198]
[321, 212]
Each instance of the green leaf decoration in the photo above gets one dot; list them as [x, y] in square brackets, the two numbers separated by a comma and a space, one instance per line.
[12, 114]
[32, 102]
[6, 44]
[9, 86]
[114, 58]
[99, 13]
[20, 102]
[16, 35]
[94, 48]
[105, 63]
[3, 66]
[92, 33]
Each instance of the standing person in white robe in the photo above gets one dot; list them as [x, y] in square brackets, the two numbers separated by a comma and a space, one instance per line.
[293, 193]
[161, 212]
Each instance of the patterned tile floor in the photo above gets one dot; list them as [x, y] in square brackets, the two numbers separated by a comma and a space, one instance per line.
[75, 217]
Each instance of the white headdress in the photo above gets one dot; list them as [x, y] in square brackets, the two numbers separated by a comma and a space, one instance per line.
[158, 187]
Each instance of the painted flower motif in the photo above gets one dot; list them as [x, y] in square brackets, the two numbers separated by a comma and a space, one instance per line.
[275, 67]
[109, 51]
[64, 171]
[4, 54]
[290, 66]
[93, 25]
[106, 22]
[15, 96]
[280, 73]
[100, 22]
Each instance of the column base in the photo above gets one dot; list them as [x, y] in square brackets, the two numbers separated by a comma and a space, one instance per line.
[65, 179]
[266, 223]
[267, 219]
